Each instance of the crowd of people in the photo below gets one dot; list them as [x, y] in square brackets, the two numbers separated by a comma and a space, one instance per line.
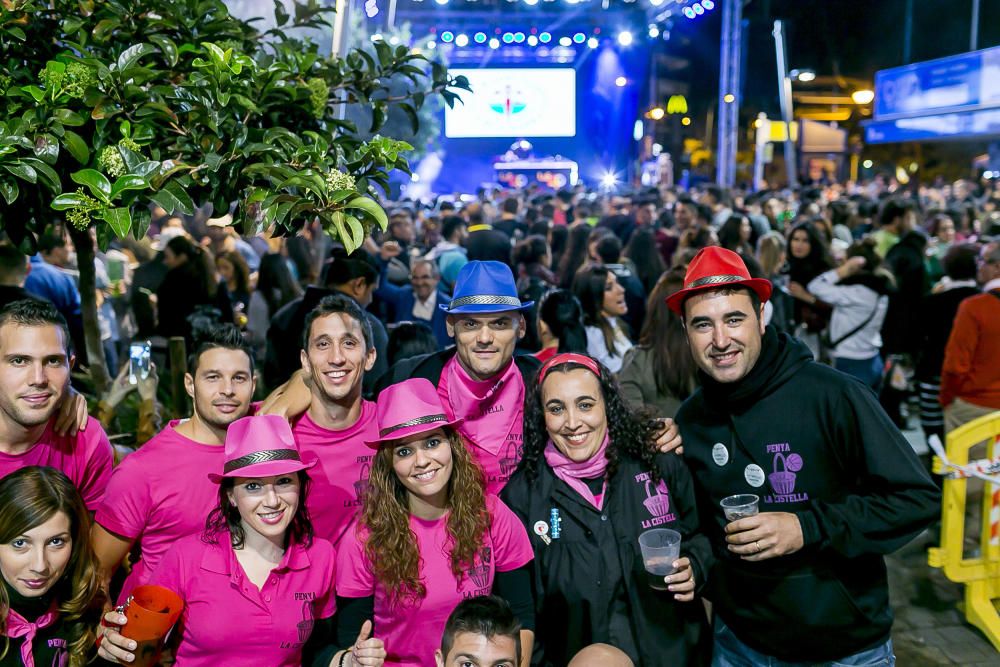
[443, 448]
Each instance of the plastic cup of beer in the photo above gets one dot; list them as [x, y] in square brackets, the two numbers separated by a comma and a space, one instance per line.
[740, 506]
[660, 548]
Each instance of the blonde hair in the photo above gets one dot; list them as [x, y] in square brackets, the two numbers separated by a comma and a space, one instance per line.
[771, 253]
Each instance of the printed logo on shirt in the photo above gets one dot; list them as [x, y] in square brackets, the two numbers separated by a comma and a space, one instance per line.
[61, 656]
[510, 458]
[360, 487]
[657, 501]
[479, 573]
[305, 626]
[782, 478]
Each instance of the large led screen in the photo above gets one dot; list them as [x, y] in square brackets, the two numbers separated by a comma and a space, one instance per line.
[514, 103]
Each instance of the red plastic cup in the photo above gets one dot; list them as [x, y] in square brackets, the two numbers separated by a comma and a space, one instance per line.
[151, 612]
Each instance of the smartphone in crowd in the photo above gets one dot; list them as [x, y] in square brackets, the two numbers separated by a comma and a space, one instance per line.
[138, 361]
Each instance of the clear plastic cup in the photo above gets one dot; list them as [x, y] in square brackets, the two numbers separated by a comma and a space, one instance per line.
[660, 548]
[740, 506]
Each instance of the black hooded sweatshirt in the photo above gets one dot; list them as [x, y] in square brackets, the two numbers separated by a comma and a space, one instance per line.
[814, 442]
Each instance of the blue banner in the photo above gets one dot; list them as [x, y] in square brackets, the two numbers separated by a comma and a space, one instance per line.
[957, 83]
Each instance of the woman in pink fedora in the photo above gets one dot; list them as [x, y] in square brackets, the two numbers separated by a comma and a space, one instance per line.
[428, 536]
[256, 584]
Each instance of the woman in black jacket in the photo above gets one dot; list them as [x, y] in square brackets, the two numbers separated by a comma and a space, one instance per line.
[190, 283]
[588, 485]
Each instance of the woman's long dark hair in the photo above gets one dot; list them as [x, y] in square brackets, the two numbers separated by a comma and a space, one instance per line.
[574, 256]
[28, 498]
[646, 258]
[730, 236]
[562, 314]
[226, 517]
[663, 334]
[802, 270]
[199, 263]
[632, 433]
[588, 287]
[241, 271]
[275, 283]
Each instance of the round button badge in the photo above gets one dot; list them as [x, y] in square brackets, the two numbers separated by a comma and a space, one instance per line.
[720, 454]
[754, 475]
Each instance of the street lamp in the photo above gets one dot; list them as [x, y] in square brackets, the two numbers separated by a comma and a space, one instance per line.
[863, 96]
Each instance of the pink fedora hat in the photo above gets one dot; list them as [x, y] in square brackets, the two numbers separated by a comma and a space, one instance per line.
[260, 447]
[407, 408]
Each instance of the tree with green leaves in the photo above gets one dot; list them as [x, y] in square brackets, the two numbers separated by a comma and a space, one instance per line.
[112, 105]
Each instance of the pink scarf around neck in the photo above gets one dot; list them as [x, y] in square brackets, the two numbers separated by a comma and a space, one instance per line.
[573, 472]
[490, 408]
[17, 626]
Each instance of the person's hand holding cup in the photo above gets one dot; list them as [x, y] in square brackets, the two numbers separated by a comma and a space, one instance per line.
[740, 506]
[661, 550]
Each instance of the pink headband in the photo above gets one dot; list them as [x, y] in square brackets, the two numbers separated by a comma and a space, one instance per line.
[566, 358]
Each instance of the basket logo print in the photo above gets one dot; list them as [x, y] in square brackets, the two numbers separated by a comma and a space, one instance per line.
[481, 573]
[782, 477]
[656, 502]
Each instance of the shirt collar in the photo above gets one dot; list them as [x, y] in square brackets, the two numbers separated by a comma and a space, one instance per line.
[992, 285]
[219, 556]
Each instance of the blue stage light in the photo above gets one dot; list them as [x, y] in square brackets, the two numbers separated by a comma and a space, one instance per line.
[508, 38]
[447, 36]
[625, 38]
[579, 38]
[480, 38]
[462, 40]
[532, 40]
[708, 4]
[518, 37]
[545, 38]
[593, 43]
[494, 43]
[565, 41]
[531, 2]
[698, 9]
[688, 12]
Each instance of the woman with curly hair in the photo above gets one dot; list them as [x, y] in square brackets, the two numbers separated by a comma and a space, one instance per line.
[428, 535]
[50, 601]
[589, 483]
[257, 586]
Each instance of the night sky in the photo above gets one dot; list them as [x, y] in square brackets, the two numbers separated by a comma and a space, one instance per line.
[849, 37]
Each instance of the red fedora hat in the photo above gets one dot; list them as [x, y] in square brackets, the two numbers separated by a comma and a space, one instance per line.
[713, 268]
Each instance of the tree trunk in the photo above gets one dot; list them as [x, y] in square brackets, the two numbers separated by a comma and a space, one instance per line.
[84, 244]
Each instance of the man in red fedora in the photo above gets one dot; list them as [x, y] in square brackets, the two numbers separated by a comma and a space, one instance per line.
[480, 380]
[836, 485]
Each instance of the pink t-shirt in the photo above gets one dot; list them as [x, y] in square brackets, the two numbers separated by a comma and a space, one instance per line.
[228, 621]
[412, 632]
[86, 458]
[160, 494]
[340, 476]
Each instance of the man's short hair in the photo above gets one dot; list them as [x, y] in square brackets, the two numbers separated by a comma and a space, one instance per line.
[510, 205]
[959, 263]
[339, 303]
[223, 336]
[450, 224]
[609, 249]
[892, 209]
[48, 242]
[435, 272]
[13, 264]
[487, 616]
[36, 313]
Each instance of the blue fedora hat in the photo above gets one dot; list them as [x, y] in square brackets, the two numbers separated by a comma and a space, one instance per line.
[485, 287]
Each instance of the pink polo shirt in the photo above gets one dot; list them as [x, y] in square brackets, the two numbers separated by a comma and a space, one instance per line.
[86, 458]
[340, 476]
[160, 494]
[412, 631]
[228, 621]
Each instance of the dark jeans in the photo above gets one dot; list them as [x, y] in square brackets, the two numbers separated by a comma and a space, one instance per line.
[868, 371]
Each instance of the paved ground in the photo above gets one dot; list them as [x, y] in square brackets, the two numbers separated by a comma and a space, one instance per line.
[930, 629]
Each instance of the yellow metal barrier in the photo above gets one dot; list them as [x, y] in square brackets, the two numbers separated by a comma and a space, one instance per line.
[980, 575]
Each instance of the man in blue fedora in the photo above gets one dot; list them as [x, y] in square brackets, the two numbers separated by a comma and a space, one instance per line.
[480, 380]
